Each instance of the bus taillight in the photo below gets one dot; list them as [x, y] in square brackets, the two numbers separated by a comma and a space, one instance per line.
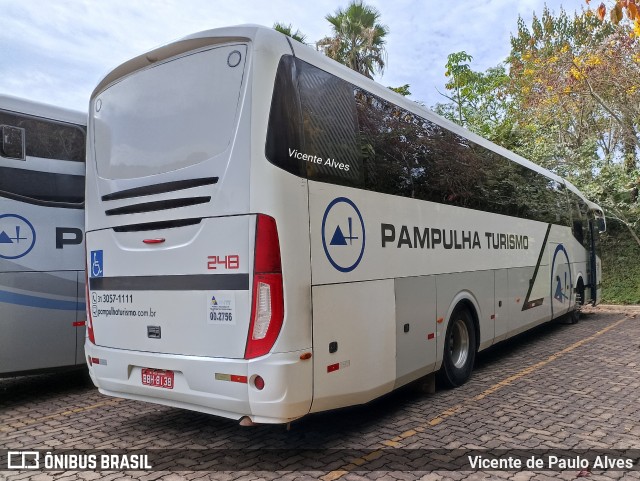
[267, 311]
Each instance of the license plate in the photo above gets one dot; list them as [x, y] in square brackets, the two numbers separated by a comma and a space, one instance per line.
[157, 378]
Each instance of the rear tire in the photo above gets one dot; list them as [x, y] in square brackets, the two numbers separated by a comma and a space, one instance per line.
[574, 316]
[459, 349]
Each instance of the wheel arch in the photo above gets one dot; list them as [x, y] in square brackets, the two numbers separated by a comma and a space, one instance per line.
[467, 300]
[580, 287]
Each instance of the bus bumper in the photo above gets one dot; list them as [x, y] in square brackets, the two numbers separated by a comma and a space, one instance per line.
[222, 387]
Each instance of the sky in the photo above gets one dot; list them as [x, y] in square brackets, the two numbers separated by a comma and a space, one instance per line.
[57, 51]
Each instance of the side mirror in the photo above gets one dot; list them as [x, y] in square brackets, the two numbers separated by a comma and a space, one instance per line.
[602, 225]
[13, 143]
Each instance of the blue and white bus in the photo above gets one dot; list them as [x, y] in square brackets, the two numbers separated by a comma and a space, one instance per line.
[271, 234]
[42, 309]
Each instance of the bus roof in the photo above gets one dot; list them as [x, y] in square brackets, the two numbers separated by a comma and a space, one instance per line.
[30, 107]
[249, 32]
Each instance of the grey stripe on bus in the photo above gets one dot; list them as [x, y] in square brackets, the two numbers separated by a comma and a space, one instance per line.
[194, 282]
[33, 283]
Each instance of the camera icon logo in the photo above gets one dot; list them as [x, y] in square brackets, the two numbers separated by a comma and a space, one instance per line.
[23, 460]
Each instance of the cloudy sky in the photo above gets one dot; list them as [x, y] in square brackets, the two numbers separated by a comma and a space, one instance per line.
[56, 51]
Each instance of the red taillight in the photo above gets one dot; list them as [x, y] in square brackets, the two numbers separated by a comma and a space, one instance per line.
[153, 241]
[267, 311]
[267, 259]
[258, 382]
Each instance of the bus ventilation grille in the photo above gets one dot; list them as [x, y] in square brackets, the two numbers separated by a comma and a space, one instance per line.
[157, 205]
[162, 188]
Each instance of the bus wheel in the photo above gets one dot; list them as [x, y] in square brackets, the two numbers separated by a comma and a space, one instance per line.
[459, 349]
[574, 316]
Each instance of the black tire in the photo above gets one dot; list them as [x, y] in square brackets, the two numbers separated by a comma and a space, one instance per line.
[574, 316]
[459, 349]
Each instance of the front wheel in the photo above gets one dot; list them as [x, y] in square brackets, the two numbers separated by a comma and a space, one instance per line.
[459, 349]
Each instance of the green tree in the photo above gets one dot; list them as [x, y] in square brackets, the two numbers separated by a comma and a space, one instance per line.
[570, 102]
[575, 85]
[460, 76]
[580, 75]
[402, 90]
[288, 31]
[478, 100]
[358, 38]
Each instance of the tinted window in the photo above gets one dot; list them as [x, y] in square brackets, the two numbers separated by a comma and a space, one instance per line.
[12, 142]
[41, 186]
[47, 138]
[330, 127]
[407, 155]
[579, 218]
[284, 134]
[313, 127]
[391, 150]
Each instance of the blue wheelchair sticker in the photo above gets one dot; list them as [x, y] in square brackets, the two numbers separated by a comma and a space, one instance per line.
[97, 267]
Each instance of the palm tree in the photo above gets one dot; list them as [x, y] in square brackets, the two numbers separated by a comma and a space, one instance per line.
[288, 31]
[358, 39]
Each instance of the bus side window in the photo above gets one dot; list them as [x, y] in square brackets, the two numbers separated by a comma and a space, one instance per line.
[42, 186]
[579, 212]
[48, 139]
[13, 142]
[284, 134]
[330, 126]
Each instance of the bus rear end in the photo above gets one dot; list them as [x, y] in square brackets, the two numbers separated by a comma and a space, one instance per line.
[186, 278]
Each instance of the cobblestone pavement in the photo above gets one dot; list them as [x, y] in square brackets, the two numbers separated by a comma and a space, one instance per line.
[556, 387]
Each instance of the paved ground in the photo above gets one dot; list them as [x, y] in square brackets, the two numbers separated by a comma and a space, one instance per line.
[558, 387]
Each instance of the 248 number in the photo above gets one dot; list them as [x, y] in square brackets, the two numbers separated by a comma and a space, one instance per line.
[227, 262]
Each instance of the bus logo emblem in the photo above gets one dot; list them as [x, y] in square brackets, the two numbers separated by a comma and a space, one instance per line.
[17, 236]
[343, 234]
[561, 280]
[339, 239]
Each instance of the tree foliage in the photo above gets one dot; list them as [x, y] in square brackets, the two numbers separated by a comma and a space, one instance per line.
[570, 102]
[617, 11]
[288, 31]
[581, 74]
[358, 38]
[478, 100]
[402, 90]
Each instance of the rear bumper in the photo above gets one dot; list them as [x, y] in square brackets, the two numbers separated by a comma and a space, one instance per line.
[286, 396]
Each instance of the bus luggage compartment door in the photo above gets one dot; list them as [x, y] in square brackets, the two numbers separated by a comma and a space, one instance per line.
[38, 312]
[182, 290]
[353, 342]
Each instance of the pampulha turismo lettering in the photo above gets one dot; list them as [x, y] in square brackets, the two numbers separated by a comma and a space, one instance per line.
[314, 159]
[430, 238]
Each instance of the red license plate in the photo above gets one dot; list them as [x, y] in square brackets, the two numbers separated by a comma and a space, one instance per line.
[157, 378]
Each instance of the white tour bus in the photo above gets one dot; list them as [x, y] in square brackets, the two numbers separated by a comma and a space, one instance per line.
[270, 234]
[42, 309]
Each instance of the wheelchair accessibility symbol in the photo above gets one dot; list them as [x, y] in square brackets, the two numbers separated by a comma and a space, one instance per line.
[96, 268]
[17, 236]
